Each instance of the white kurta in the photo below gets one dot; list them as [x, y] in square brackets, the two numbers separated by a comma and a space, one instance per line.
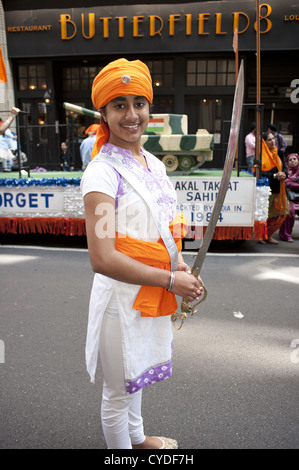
[146, 341]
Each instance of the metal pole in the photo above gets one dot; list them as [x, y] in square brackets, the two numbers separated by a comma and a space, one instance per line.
[27, 145]
[258, 93]
[236, 74]
[18, 144]
[57, 142]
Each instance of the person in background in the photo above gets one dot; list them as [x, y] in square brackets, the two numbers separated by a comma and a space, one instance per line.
[6, 155]
[87, 145]
[274, 169]
[129, 204]
[292, 183]
[11, 139]
[280, 142]
[5, 124]
[250, 147]
[66, 158]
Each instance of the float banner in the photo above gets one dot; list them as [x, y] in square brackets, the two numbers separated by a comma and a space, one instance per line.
[31, 200]
[196, 197]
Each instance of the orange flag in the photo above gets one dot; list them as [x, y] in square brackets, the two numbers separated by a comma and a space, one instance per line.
[3, 76]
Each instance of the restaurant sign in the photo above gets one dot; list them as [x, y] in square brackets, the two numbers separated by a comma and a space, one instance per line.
[188, 27]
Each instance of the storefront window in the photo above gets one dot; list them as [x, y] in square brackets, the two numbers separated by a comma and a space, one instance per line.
[162, 104]
[42, 121]
[161, 72]
[76, 123]
[204, 113]
[27, 108]
[210, 111]
[78, 78]
[210, 72]
[32, 77]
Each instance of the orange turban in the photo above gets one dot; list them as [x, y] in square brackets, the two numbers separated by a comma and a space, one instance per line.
[120, 77]
[92, 129]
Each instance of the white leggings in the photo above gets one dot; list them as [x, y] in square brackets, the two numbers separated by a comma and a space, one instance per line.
[121, 412]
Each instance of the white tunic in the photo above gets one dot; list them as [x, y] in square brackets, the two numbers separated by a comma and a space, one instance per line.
[146, 341]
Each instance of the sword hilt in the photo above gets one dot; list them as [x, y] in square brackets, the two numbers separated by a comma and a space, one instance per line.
[186, 306]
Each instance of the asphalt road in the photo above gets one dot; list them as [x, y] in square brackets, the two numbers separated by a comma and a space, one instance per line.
[235, 365]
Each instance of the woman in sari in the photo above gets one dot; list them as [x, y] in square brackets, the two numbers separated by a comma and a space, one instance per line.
[292, 184]
[276, 172]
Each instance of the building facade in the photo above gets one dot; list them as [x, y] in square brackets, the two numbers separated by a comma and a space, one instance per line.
[55, 50]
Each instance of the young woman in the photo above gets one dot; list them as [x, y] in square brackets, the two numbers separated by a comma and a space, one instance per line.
[292, 183]
[134, 240]
[274, 169]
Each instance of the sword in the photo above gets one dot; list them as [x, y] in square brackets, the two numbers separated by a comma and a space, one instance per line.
[187, 307]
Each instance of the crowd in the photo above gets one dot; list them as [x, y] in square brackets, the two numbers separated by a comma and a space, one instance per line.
[283, 175]
[282, 171]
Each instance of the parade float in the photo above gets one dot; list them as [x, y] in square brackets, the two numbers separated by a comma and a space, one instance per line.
[167, 138]
[51, 203]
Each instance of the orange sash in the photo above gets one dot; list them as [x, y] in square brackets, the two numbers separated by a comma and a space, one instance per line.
[153, 301]
[270, 158]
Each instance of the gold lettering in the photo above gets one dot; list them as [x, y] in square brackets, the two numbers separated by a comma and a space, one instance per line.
[64, 20]
[291, 18]
[121, 29]
[106, 26]
[202, 17]
[218, 23]
[153, 31]
[91, 25]
[136, 21]
[236, 25]
[265, 18]
[188, 24]
[172, 20]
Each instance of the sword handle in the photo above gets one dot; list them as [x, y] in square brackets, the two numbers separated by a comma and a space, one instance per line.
[186, 306]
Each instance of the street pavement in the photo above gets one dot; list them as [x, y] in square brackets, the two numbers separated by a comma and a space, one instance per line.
[235, 363]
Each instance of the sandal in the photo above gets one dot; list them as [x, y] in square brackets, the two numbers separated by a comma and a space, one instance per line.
[272, 241]
[167, 443]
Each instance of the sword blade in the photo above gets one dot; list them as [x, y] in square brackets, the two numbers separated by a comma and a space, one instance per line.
[187, 307]
[227, 170]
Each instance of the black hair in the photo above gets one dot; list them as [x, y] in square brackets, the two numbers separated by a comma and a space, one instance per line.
[265, 135]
